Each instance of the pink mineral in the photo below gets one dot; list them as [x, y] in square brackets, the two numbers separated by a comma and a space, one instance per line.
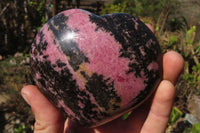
[95, 68]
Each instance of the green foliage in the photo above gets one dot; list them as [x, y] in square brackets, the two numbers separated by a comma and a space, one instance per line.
[41, 8]
[111, 8]
[172, 40]
[43, 22]
[141, 8]
[14, 73]
[193, 79]
[175, 115]
[194, 129]
[20, 128]
[32, 3]
[190, 34]
[126, 115]
[197, 48]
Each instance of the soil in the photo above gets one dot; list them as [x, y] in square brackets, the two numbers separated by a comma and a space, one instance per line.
[15, 116]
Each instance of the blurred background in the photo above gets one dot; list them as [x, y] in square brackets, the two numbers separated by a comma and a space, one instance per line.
[176, 24]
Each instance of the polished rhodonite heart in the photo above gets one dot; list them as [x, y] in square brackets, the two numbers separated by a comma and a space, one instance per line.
[95, 68]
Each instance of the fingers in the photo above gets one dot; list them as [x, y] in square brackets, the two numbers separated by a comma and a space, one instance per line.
[48, 118]
[173, 64]
[162, 103]
[72, 127]
[160, 110]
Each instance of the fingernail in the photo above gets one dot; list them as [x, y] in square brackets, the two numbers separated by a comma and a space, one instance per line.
[25, 97]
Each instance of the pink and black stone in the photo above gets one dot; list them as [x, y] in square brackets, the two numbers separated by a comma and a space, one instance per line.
[95, 68]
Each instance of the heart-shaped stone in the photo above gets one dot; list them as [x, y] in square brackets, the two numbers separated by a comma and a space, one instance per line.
[95, 68]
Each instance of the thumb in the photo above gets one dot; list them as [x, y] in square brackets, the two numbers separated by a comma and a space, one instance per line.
[47, 117]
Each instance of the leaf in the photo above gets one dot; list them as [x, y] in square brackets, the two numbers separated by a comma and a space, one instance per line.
[196, 128]
[175, 115]
[126, 115]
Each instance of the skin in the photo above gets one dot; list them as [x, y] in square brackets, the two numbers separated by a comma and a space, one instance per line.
[150, 117]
